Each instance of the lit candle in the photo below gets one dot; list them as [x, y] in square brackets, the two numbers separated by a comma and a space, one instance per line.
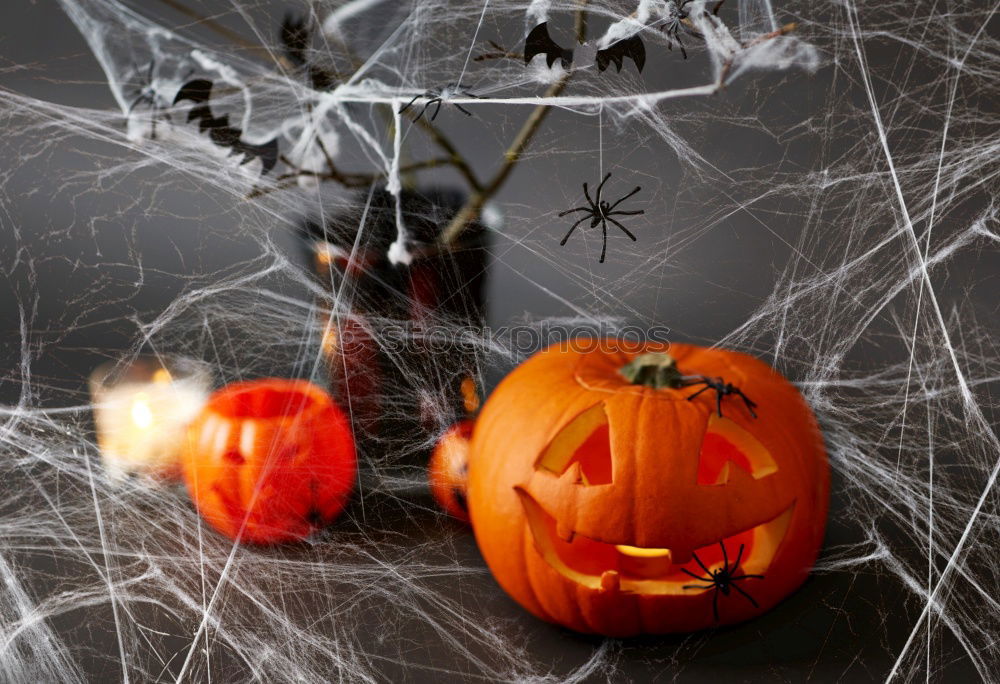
[141, 412]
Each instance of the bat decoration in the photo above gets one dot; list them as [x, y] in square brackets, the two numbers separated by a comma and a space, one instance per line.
[539, 42]
[221, 133]
[615, 53]
[296, 37]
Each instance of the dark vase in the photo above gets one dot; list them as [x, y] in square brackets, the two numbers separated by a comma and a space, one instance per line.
[402, 341]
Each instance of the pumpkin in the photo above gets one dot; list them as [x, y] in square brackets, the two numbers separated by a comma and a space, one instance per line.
[269, 460]
[447, 471]
[611, 493]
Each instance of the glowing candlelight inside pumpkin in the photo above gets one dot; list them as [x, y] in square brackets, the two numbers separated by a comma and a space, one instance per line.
[141, 412]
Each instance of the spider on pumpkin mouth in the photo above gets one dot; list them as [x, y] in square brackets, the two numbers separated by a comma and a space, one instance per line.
[722, 389]
[600, 212]
[613, 567]
[722, 580]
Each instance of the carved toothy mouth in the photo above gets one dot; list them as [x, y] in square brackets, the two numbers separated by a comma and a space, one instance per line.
[619, 567]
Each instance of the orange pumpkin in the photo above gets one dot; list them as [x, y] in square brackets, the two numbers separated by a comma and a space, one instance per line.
[269, 460]
[447, 472]
[615, 492]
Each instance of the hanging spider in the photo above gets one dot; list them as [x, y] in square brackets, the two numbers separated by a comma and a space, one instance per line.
[677, 19]
[600, 212]
[722, 580]
[146, 92]
[437, 96]
[722, 389]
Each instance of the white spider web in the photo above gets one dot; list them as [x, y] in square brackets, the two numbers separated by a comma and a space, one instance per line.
[831, 210]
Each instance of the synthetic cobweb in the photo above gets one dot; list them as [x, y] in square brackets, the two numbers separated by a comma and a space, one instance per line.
[824, 199]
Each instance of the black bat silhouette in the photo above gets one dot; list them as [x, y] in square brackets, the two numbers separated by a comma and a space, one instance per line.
[220, 132]
[296, 38]
[619, 50]
[539, 42]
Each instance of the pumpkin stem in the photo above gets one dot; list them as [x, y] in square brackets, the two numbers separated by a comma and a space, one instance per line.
[656, 369]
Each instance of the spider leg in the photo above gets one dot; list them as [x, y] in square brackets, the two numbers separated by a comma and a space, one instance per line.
[697, 586]
[700, 579]
[718, 6]
[599, 187]
[680, 44]
[749, 597]
[706, 387]
[408, 104]
[604, 231]
[637, 189]
[142, 96]
[563, 241]
[718, 403]
[623, 228]
[702, 566]
[437, 102]
[570, 211]
[625, 213]
[692, 380]
[750, 405]
[462, 109]
[586, 193]
[725, 556]
[739, 557]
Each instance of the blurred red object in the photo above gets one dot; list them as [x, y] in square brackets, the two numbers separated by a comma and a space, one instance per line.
[269, 460]
[448, 469]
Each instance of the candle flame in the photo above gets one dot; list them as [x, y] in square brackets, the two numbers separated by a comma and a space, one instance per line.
[639, 552]
[162, 375]
[142, 416]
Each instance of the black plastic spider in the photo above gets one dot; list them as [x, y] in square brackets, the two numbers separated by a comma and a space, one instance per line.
[680, 20]
[722, 580]
[722, 389]
[600, 212]
[146, 92]
[436, 96]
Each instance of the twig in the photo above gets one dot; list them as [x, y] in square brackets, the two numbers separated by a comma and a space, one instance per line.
[456, 158]
[347, 179]
[728, 64]
[212, 24]
[468, 213]
[500, 52]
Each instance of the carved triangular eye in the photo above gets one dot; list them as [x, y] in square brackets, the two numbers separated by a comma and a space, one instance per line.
[582, 447]
[726, 444]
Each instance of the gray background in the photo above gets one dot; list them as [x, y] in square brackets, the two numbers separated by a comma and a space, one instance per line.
[83, 286]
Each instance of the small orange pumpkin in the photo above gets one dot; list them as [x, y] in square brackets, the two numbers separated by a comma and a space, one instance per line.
[269, 460]
[620, 492]
[448, 469]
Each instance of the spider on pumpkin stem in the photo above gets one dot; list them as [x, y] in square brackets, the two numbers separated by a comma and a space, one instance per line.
[437, 96]
[722, 580]
[600, 212]
[722, 389]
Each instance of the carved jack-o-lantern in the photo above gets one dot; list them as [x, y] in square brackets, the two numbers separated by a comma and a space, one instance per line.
[620, 493]
[269, 460]
[448, 469]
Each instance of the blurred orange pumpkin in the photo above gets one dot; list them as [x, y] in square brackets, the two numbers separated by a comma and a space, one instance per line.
[610, 492]
[447, 472]
[269, 460]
